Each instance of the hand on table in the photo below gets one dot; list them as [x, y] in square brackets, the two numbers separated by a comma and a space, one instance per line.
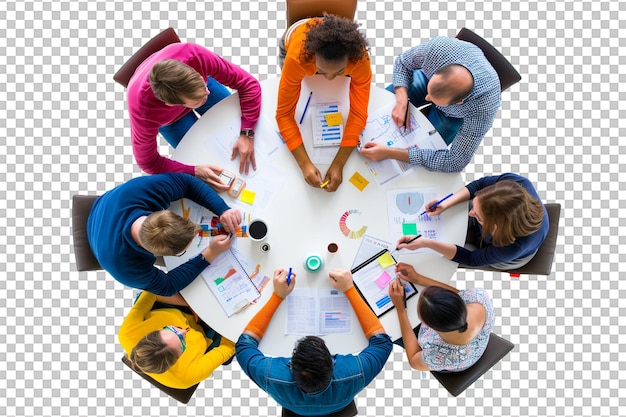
[397, 293]
[244, 146]
[218, 244]
[416, 244]
[231, 219]
[334, 176]
[375, 151]
[341, 279]
[398, 114]
[408, 273]
[210, 175]
[436, 211]
[281, 288]
[311, 175]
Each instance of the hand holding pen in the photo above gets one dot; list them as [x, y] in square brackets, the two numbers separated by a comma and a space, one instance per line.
[281, 288]
[433, 208]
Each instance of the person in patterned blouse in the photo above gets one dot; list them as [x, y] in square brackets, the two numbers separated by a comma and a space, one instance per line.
[464, 90]
[455, 327]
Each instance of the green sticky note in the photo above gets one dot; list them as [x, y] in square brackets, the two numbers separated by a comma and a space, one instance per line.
[409, 229]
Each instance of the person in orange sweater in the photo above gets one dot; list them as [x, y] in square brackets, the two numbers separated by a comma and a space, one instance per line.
[331, 46]
[163, 339]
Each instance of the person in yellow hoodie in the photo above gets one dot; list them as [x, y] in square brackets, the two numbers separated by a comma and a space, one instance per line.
[169, 344]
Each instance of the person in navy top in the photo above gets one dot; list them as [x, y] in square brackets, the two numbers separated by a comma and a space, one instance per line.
[507, 223]
[129, 226]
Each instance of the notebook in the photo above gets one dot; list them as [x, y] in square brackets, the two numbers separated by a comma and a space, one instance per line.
[230, 282]
[372, 279]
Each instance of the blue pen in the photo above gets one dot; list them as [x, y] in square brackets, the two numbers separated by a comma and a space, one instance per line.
[289, 277]
[306, 106]
[434, 206]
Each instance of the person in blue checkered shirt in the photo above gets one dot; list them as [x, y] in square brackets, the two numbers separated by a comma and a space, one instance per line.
[464, 89]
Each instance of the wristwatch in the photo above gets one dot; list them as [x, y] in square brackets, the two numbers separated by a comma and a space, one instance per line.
[248, 132]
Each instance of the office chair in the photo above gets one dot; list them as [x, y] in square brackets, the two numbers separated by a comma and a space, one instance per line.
[349, 411]
[506, 72]
[300, 9]
[541, 263]
[84, 257]
[457, 382]
[160, 41]
[182, 395]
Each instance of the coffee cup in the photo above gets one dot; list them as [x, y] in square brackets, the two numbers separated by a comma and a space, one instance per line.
[257, 230]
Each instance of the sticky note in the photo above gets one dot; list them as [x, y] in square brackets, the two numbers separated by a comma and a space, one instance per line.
[383, 279]
[409, 229]
[359, 181]
[334, 119]
[247, 196]
[386, 260]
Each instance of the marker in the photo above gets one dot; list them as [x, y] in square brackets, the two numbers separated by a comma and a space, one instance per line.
[407, 120]
[306, 107]
[289, 277]
[434, 206]
[324, 184]
[412, 240]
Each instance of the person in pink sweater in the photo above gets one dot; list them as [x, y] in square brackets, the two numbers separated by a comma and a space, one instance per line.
[164, 91]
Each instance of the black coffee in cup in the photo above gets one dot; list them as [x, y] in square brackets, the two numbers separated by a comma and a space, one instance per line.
[257, 229]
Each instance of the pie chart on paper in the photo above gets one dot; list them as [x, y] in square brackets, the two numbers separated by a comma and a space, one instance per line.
[347, 225]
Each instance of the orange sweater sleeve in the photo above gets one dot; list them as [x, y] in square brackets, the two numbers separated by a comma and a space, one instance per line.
[294, 70]
[368, 320]
[258, 324]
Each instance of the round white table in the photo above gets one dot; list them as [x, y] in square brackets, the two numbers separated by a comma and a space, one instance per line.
[303, 220]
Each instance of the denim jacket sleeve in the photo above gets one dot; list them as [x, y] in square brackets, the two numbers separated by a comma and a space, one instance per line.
[253, 362]
[374, 356]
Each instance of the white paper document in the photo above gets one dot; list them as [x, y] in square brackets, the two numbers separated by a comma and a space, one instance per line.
[405, 208]
[318, 312]
[380, 128]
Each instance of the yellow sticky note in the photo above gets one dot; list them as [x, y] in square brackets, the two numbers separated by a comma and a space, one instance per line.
[247, 196]
[359, 181]
[385, 260]
[334, 119]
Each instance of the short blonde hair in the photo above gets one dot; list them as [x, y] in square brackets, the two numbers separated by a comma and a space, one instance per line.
[152, 355]
[172, 81]
[165, 233]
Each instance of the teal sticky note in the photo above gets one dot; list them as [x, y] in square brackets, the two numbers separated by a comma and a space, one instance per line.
[409, 229]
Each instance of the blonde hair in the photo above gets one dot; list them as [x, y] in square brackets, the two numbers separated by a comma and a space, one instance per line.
[152, 355]
[172, 81]
[508, 212]
[165, 233]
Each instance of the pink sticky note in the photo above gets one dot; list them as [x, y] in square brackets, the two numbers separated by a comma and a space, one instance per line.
[383, 279]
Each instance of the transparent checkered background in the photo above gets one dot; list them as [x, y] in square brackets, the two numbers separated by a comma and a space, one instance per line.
[65, 130]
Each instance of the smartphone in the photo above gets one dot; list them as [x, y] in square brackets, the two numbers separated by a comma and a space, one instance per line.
[227, 177]
[236, 188]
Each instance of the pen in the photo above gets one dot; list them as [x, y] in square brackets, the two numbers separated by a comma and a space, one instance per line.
[434, 206]
[289, 277]
[412, 240]
[407, 120]
[306, 106]
[324, 184]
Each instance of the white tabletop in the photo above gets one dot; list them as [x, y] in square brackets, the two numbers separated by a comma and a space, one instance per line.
[303, 220]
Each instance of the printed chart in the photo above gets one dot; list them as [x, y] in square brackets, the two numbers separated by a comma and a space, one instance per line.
[346, 230]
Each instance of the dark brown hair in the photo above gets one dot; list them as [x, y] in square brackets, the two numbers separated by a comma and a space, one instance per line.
[442, 310]
[334, 38]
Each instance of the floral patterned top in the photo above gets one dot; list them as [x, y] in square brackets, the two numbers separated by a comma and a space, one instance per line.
[441, 356]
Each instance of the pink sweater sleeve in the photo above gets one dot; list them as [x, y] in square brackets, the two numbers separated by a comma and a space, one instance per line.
[148, 114]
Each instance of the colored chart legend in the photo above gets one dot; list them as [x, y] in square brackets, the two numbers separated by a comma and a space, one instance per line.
[352, 234]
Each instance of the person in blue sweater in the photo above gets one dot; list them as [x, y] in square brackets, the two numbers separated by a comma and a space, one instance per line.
[507, 223]
[129, 226]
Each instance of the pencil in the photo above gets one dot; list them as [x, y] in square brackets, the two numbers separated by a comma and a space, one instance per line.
[434, 206]
[306, 107]
[324, 184]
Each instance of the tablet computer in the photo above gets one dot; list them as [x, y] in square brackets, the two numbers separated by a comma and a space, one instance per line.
[372, 279]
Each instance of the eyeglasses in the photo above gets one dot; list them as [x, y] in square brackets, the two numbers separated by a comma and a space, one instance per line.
[181, 336]
[181, 254]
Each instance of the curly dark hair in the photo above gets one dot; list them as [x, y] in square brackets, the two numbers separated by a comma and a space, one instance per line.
[333, 38]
